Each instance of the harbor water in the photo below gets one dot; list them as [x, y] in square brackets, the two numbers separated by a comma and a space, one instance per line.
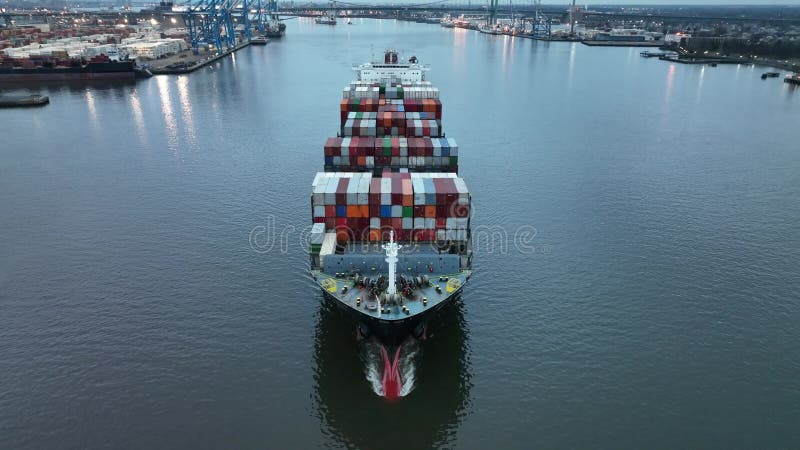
[637, 284]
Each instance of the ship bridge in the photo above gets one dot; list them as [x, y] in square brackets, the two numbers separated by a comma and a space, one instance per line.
[392, 69]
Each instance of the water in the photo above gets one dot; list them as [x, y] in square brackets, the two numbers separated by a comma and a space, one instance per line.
[648, 296]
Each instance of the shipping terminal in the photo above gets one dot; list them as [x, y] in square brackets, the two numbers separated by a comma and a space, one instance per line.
[390, 241]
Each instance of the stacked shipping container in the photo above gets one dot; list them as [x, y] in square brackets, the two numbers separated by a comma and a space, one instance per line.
[394, 130]
[422, 207]
[368, 153]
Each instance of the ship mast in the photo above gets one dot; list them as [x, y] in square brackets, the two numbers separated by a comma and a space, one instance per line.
[391, 259]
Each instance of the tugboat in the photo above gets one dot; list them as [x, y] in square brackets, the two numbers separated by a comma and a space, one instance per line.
[390, 242]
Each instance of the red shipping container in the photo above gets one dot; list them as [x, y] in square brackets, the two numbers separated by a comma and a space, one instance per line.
[397, 191]
[341, 191]
[375, 192]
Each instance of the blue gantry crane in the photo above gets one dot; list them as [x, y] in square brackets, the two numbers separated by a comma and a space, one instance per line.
[213, 22]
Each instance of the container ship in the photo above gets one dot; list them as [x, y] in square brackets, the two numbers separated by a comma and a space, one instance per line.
[98, 68]
[390, 240]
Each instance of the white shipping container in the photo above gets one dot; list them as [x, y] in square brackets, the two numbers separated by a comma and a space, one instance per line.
[363, 189]
[352, 190]
[386, 191]
[330, 191]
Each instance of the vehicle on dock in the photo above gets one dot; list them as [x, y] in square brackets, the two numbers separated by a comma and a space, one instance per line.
[390, 242]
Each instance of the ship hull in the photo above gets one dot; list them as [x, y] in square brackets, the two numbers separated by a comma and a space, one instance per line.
[65, 76]
[392, 332]
[90, 72]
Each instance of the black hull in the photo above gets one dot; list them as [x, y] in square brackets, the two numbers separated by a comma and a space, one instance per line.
[392, 333]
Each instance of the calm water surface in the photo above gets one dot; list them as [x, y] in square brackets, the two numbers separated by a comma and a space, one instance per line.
[656, 304]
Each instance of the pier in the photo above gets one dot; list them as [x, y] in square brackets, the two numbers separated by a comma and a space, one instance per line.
[177, 64]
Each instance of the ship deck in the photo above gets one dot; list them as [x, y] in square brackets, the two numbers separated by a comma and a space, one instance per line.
[344, 290]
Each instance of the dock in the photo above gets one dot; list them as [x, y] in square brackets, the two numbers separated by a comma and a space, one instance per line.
[14, 101]
[700, 60]
[657, 54]
[178, 64]
[592, 43]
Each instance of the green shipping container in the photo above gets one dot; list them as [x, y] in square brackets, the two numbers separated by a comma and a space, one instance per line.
[454, 160]
[408, 211]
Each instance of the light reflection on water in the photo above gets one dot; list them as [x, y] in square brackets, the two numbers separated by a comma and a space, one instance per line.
[170, 124]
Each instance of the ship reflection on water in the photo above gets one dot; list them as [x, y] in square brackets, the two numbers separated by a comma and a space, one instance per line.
[435, 391]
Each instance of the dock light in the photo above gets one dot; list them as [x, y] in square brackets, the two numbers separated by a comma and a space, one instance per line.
[173, 20]
[153, 22]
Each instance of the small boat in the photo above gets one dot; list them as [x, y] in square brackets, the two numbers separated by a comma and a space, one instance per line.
[766, 75]
[7, 101]
[325, 19]
[259, 40]
[349, 22]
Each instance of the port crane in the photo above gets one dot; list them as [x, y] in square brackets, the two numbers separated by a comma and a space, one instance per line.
[213, 22]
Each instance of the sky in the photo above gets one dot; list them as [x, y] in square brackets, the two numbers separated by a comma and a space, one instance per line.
[610, 2]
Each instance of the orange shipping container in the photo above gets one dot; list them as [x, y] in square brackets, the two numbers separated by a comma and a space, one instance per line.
[374, 234]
